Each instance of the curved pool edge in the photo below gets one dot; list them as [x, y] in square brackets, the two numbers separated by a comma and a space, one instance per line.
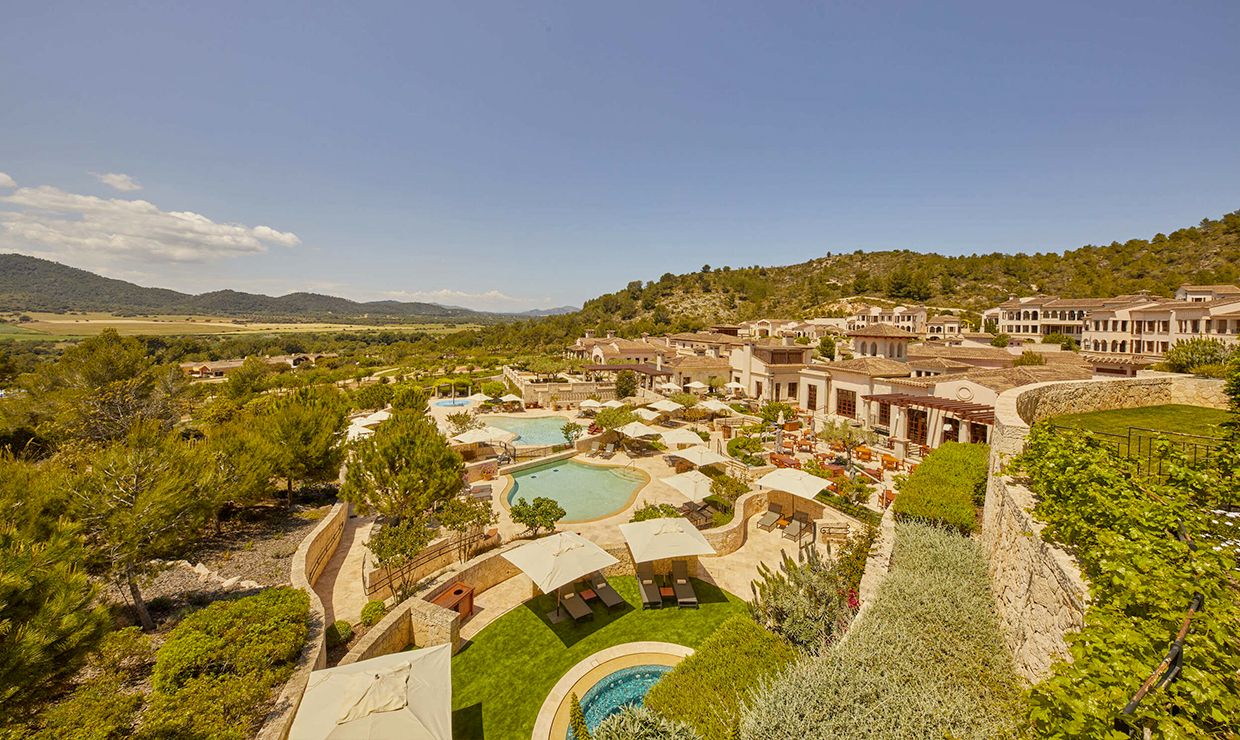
[552, 722]
[509, 480]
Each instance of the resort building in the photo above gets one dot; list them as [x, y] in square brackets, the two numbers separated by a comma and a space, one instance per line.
[835, 388]
[205, 369]
[766, 327]
[983, 357]
[881, 340]
[770, 372]
[1199, 293]
[711, 371]
[711, 343]
[1148, 329]
[612, 349]
[943, 326]
[911, 319]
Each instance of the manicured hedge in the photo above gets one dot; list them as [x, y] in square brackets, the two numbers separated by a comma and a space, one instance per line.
[707, 688]
[925, 659]
[946, 488]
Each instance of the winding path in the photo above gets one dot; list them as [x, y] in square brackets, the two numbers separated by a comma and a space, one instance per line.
[340, 586]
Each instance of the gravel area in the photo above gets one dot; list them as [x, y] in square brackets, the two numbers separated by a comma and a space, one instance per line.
[256, 547]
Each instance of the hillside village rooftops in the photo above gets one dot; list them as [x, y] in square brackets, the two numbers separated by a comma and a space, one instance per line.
[961, 354]
[940, 363]
[1229, 289]
[882, 330]
[875, 367]
[944, 319]
[692, 362]
[1002, 379]
[705, 337]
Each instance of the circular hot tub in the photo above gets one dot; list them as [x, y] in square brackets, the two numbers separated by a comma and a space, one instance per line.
[615, 691]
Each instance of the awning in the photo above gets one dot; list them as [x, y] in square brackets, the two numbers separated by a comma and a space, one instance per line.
[559, 559]
[658, 539]
[674, 437]
[406, 695]
[978, 413]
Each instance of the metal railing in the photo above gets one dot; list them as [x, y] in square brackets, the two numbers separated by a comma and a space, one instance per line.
[1140, 445]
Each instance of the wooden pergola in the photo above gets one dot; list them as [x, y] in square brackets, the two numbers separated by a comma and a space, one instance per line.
[977, 413]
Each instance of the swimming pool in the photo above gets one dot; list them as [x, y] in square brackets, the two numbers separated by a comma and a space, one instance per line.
[625, 687]
[584, 491]
[453, 402]
[535, 431]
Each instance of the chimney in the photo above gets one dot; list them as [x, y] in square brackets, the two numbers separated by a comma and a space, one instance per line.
[611, 333]
[658, 360]
[645, 335]
[589, 333]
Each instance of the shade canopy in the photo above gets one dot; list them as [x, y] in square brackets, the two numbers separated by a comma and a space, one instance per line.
[796, 482]
[675, 437]
[357, 431]
[715, 406]
[638, 429]
[377, 417]
[657, 539]
[406, 695]
[666, 406]
[479, 397]
[511, 398]
[647, 414]
[559, 559]
[613, 404]
[697, 385]
[693, 484]
[668, 386]
[700, 455]
[735, 386]
[484, 435]
[590, 403]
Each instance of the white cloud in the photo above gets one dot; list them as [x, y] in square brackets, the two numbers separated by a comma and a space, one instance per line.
[491, 300]
[6, 181]
[119, 181]
[95, 230]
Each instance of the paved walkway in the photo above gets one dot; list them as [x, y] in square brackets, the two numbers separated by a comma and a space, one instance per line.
[497, 601]
[340, 585]
[735, 571]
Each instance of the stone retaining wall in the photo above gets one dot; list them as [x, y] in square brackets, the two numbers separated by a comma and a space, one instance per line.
[307, 565]
[1039, 591]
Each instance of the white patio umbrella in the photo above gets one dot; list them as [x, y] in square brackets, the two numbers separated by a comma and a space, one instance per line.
[734, 386]
[590, 403]
[613, 404]
[658, 539]
[693, 484]
[406, 695]
[485, 434]
[357, 431]
[697, 385]
[668, 386]
[559, 559]
[674, 437]
[797, 482]
[666, 406]
[638, 429]
[479, 398]
[715, 406]
[647, 414]
[377, 417]
[699, 455]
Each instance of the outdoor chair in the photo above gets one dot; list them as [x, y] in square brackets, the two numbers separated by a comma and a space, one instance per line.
[606, 593]
[608, 452]
[576, 607]
[797, 527]
[773, 514]
[651, 598]
[685, 596]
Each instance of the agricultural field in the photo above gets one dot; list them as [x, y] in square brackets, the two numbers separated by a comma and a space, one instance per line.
[44, 326]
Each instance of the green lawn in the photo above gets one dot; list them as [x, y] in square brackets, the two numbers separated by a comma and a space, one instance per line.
[501, 678]
[1168, 418]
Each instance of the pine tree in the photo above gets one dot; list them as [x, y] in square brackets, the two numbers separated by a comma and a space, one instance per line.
[404, 470]
[302, 437]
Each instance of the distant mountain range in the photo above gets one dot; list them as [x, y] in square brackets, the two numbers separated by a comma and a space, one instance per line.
[33, 284]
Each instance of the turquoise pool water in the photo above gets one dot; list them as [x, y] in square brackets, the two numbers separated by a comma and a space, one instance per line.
[535, 431]
[625, 687]
[585, 491]
[453, 402]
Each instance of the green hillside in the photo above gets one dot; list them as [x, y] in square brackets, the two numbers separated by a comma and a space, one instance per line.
[1207, 253]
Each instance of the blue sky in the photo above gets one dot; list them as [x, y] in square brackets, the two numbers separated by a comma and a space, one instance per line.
[516, 155]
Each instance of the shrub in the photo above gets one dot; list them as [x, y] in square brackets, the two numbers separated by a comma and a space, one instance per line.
[373, 612]
[639, 723]
[811, 603]
[746, 450]
[338, 633]
[1187, 354]
[248, 635]
[839, 503]
[946, 487]
[1141, 577]
[1063, 340]
[208, 708]
[1001, 340]
[724, 668]
[1029, 357]
[927, 658]
[100, 709]
[655, 511]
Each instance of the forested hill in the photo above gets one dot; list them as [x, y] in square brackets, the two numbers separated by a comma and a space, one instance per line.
[1207, 253]
[33, 284]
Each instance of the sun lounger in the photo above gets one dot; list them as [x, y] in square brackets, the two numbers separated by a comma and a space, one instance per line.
[576, 607]
[685, 595]
[608, 452]
[606, 593]
[797, 527]
[772, 516]
[651, 598]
